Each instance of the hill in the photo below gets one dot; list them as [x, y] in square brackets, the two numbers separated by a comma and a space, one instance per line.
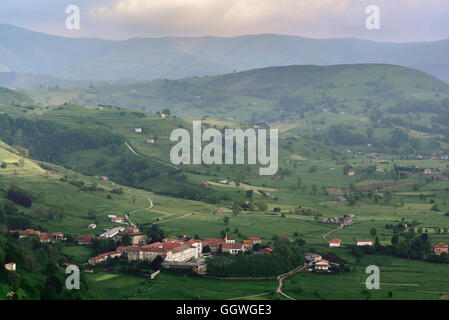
[176, 57]
[367, 100]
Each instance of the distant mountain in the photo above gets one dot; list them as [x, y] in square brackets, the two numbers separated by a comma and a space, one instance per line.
[23, 50]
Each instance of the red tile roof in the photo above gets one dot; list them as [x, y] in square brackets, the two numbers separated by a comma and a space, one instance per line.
[441, 245]
[335, 240]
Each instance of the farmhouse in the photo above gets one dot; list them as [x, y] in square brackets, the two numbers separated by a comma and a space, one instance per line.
[322, 265]
[138, 130]
[351, 173]
[363, 243]
[335, 243]
[440, 248]
[85, 240]
[117, 219]
[10, 266]
[91, 226]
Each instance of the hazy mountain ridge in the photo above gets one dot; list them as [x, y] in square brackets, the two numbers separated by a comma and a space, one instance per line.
[23, 50]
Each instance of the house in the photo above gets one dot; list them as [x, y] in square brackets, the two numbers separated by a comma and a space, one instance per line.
[110, 216]
[10, 266]
[117, 219]
[286, 238]
[335, 243]
[363, 243]
[150, 141]
[138, 130]
[213, 244]
[110, 233]
[351, 173]
[85, 240]
[163, 115]
[440, 248]
[312, 257]
[175, 251]
[265, 251]
[380, 169]
[91, 226]
[136, 238]
[57, 236]
[229, 240]
[104, 178]
[255, 240]
[440, 177]
[233, 248]
[427, 171]
[322, 265]
[103, 257]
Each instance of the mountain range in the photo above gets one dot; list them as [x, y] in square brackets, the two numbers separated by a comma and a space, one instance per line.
[142, 59]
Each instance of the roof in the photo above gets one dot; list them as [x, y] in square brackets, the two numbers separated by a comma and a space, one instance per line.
[322, 262]
[254, 238]
[335, 240]
[441, 245]
[364, 240]
[235, 246]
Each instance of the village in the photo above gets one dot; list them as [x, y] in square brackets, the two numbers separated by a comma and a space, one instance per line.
[187, 254]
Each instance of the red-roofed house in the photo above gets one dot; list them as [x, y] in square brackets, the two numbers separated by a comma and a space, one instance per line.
[117, 219]
[335, 243]
[322, 265]
[103, 257]
[286, 238]
[233, 248]
[440, 248]
[265, 251]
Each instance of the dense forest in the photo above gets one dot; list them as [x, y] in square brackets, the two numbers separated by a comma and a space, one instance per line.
[50, 141]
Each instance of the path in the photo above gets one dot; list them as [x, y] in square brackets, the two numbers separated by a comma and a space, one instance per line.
[150, 158]
[184, 216]
[284, 276]
[332, 231]
[130, 213]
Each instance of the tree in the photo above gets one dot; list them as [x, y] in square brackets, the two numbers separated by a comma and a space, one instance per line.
[249, 194]
[262, 205]
[395, 239]
[373, 232]
[235, 208]
[226, 220]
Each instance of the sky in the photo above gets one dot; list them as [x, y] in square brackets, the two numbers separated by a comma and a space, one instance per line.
[400, 20]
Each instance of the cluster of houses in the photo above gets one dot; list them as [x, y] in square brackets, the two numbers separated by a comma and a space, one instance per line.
[435, 176]
[172, 250]
[336, 243]
[434, 156]
[342, 221]
[43, 236]
[316, 262]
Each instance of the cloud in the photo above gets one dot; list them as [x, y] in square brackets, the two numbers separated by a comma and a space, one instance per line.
[220, 17]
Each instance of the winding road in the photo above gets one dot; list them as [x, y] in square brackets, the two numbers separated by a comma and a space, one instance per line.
[130, 213]
[150, 158]
[284, 276]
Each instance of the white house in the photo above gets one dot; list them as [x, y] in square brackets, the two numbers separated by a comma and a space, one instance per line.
[363, 243]
[335, 243]
[10, 266]
[233, 248]
[138, 130]
[322, 265]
